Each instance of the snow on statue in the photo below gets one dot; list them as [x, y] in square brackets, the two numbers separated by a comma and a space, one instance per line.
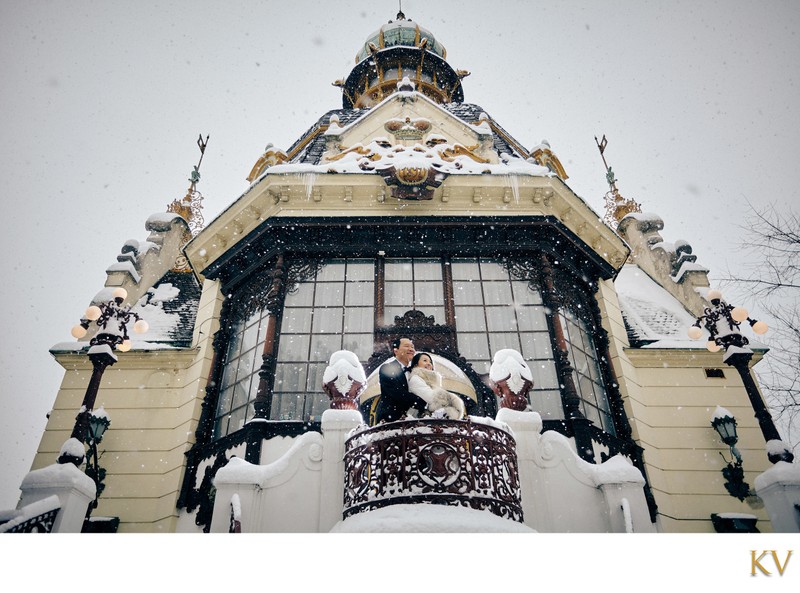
[344, 380]
[512, 379]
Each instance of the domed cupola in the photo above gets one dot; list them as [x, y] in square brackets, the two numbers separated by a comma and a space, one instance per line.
[400, 49]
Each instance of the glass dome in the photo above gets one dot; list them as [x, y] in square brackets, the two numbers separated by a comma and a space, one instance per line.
[400, 49]
[401, 32]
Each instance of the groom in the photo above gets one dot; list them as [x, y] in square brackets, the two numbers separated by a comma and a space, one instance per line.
[395, 400]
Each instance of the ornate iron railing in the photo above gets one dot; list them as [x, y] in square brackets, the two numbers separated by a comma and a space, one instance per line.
[42, 523]
[450, 462]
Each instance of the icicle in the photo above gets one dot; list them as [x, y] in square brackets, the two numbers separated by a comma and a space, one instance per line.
[512, 181]
[309, 179]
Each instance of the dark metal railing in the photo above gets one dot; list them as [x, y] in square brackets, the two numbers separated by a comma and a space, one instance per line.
[39, 524]
[450, 462]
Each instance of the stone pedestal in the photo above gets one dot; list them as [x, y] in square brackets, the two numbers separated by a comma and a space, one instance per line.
[75, 490]
[779, 488]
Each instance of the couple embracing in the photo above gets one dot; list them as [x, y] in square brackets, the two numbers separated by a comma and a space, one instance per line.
[411, 386]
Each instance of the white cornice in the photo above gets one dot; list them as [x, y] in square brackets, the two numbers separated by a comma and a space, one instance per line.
[680, 357]
[332, 196]
[157, 359]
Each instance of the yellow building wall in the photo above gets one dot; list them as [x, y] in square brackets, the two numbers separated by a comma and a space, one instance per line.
[669, 402]
[153, 399]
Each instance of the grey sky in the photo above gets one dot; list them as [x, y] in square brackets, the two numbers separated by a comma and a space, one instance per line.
[102, 102]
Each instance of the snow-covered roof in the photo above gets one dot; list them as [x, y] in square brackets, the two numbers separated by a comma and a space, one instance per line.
[170, 309]
[653, 317]
[312, 153]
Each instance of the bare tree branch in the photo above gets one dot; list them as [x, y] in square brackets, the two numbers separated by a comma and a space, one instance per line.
[773, 237]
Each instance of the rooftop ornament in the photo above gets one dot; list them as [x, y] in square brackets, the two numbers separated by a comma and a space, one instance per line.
[722, 322]
[617, 207]
[191, 206]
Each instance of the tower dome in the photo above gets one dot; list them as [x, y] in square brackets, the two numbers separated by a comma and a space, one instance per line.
[400, 49]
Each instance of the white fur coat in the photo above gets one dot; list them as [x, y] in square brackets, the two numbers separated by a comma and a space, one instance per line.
[427, 385]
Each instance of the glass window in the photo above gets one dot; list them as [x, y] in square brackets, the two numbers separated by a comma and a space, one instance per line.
[335, 309]
[239, 383]
[584, 359]
[494, 311]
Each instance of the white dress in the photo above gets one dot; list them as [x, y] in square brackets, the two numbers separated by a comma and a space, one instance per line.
[427, 385]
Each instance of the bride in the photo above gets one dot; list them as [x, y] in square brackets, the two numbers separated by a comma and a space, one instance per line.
[426, 384]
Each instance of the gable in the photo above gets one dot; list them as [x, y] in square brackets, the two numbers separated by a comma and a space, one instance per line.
[409, 118]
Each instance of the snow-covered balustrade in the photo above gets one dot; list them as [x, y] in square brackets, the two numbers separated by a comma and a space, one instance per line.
[562, 493]
[779, 488]
[470, 463]
[299, 491]
[58, 486]
[37, 517]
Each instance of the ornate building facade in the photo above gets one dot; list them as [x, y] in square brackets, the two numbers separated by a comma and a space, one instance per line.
[408, 212]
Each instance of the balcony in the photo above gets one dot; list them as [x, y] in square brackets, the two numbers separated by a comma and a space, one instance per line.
[449, 462]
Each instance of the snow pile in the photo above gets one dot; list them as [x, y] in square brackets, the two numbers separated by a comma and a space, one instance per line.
[35, 509]
[509, 364]
[161, 221]
[428, 518]
[151, 308]
[239, 471]
[60, 475]
[719, 413]
[378, 156]
[344, 368]
[652, 313]
[777, 447]
[73, 448]
[782, 472]
[616, 470]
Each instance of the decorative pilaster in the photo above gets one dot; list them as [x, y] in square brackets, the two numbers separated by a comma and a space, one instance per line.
[274, 301]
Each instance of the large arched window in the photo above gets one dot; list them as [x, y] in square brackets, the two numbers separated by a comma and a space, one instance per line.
[341, 303]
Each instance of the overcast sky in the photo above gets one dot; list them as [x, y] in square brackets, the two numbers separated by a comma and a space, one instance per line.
[102, 102]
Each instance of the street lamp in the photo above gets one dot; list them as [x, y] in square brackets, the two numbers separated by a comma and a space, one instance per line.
[112, 319]
[722, 322]
[98, 423]
[725, 424]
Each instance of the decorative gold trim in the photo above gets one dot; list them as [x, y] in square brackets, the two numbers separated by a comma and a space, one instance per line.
[358, 149]
[449, 154]
[271, 156]
[547, 158]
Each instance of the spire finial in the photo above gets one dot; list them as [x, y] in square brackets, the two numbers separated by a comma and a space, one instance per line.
[192, 203]
[400, 15]
[617, 207]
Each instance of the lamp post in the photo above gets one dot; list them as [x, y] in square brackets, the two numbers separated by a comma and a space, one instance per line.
[725, 424]
[112, 319]
[722, 322]
[98, 423]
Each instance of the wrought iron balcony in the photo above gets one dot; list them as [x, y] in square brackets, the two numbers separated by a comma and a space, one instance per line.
[450, 462]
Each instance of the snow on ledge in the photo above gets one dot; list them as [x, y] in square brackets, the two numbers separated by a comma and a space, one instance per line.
[616, 470]
[162, 221]
[782, 472]
[40, 507]
[60, 475]
[428, 518]
[239, 471]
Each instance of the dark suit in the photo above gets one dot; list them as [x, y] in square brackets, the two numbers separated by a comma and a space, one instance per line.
[395, 399]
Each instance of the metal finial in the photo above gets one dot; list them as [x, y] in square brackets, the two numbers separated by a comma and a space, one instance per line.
[191, 206]
[617, 207]
[195, 175]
